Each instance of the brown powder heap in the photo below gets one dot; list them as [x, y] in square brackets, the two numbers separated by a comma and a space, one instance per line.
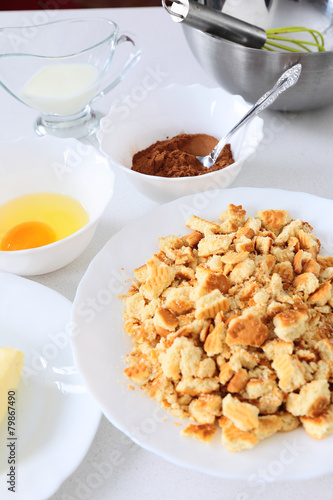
[176, 157]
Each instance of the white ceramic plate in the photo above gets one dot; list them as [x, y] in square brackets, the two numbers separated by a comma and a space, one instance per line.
[100, 346]
[56, 419]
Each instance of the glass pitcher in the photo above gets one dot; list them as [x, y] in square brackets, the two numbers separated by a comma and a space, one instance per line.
[60, 68]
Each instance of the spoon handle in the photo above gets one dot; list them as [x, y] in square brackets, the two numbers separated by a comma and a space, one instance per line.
[286, 80]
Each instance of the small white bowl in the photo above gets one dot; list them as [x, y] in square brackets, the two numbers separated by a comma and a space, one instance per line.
[65, 166]
[165, 112]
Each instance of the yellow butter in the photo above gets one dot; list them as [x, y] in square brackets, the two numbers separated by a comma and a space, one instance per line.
[11, 364]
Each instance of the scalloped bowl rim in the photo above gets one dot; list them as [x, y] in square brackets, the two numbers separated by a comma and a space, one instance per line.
[93, 221]
[167, 90]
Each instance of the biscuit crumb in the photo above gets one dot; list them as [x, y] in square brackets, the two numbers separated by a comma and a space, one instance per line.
[204, 432]
[232, 328]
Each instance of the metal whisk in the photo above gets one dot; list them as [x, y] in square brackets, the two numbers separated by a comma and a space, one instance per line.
[217, 23]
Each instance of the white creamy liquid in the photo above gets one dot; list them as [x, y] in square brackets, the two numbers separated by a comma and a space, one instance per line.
[62, 89]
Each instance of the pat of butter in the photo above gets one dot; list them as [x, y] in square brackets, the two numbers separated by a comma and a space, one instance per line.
[11, 364]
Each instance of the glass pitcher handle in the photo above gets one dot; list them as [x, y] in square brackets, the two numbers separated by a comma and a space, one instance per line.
[132, 59]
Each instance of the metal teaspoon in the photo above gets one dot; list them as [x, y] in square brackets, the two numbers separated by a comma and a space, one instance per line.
[288, 79]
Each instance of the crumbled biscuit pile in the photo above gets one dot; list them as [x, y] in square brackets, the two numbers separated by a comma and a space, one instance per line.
[233, 325]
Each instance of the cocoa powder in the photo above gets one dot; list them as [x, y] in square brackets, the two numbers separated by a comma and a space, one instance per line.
[176, 157]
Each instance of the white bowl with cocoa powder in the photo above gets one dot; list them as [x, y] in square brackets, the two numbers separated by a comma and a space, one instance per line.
[168, 112]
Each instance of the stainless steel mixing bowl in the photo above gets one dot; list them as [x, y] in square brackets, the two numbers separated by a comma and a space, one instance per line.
[250, 72]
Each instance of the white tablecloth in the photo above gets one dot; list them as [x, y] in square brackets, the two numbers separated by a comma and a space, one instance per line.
[295, 154]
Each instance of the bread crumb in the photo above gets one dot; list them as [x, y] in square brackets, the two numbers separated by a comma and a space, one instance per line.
[232, 328]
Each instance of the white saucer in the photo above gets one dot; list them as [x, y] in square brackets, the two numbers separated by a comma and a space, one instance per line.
[56, 420]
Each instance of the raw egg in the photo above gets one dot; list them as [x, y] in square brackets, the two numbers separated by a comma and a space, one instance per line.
[38, 219]
[28, 235]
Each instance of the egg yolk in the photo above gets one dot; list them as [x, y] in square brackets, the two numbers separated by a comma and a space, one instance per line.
[26, 235]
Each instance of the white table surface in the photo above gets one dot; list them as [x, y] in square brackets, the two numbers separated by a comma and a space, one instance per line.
[295, 154]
